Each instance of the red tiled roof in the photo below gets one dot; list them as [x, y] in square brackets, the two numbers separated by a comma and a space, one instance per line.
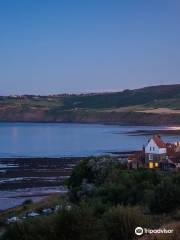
[157, 139]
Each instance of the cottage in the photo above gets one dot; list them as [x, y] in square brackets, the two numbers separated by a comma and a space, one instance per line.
[155, 151]
[156, 154]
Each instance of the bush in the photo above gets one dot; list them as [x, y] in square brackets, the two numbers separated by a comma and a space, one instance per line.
[104, 197]
[27, 202]
[166, 197]
[120, 222]
[79, 223]
[34, 229]
[75, 223]
[158, 192]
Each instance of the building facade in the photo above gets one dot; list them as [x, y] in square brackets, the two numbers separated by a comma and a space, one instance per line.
[155, 152]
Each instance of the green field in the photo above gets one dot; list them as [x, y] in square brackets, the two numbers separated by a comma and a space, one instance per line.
[157, 97]
[126, 107]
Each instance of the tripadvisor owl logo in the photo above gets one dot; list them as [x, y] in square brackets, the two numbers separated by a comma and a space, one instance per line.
[139, 231]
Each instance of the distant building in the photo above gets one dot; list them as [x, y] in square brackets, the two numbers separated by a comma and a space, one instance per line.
[155, 151]
[170, 148]
[136, 160]
[156, 154]
[177, 146]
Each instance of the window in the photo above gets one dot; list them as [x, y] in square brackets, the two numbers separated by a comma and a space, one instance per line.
[156, 164]
[151, 165]
[150, 157]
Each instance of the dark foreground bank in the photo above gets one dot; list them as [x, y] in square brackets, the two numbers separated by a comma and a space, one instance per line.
[105, 201]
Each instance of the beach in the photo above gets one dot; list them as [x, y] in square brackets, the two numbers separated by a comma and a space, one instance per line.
[32, 178]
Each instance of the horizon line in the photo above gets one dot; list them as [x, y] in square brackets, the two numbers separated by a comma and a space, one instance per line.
[86, 92]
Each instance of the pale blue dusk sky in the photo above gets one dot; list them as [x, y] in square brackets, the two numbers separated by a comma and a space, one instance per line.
[56, 46]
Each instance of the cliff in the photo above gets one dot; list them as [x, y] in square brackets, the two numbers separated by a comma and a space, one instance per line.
[157, 105]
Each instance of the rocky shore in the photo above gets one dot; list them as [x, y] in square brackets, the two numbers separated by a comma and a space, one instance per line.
[18, 173]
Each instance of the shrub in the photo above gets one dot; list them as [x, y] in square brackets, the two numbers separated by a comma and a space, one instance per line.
[120, 222]
[27, 202]
[75, 223]
[79, 223]
[166, 197]
[34, 229]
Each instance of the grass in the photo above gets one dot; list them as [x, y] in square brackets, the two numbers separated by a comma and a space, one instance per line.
[150, 97]
[56, 106]
[20, 210]
[172, 103]
[30, 102]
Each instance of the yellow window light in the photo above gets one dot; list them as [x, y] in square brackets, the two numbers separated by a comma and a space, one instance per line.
[156, 164]
[151, 165]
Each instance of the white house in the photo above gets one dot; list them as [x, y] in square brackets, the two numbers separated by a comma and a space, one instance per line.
[156, 146]
[155, 150]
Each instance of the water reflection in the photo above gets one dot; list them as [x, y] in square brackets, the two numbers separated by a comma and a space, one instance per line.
[56, 140]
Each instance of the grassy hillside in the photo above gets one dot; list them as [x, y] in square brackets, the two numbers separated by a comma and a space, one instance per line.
[95, 107]
[158, 96]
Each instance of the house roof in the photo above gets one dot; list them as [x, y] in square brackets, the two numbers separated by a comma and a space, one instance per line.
[159, 142]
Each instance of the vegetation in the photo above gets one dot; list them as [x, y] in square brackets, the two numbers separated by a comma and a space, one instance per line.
[126, 107]
[157, 192]
[29, 206]
[80, 223]
[157, 96]
[107, 202]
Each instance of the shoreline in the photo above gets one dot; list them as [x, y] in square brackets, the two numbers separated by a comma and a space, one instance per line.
[95, 122]
[32, 178]
[167, 132]
[18, 173]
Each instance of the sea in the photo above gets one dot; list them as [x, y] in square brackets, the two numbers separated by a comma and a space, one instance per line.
[71, 139]
[65, 140]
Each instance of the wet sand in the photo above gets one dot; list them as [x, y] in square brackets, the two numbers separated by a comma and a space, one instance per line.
[18, 173]
[32, 178]
[174, 132]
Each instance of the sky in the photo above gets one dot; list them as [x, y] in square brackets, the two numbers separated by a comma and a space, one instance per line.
[65, 46]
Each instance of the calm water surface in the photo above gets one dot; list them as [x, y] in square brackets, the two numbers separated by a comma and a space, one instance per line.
[56, 140]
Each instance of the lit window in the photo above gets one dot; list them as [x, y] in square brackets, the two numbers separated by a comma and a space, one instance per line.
[151, 165]
[156, 164]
